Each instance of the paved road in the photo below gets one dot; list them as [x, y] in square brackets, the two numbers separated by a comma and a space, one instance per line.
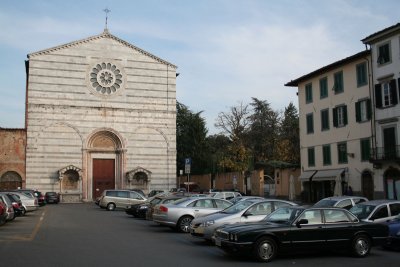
[85, 235]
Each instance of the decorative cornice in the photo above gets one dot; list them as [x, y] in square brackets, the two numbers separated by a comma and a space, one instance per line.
[104, 34]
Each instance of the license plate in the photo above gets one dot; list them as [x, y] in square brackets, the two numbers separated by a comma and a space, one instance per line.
[218, 242]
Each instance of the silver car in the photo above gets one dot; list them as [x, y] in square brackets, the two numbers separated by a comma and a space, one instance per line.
[377, 210]
[29, 203]
[180, 214]
[248, 210]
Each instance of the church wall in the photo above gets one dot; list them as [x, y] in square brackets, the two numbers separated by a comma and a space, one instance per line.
[63, 112]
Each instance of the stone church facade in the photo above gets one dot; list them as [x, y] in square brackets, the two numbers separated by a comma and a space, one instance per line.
[100, 114]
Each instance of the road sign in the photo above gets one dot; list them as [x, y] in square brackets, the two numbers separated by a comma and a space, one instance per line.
[188, 163]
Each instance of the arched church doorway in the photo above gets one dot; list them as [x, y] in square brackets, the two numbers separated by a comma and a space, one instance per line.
[367, 183]
[10, 180]
[105, 162]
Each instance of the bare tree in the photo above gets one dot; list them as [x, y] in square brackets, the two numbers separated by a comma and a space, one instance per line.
[235, 123]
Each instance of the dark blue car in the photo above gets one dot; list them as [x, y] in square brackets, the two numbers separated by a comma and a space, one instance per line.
[393, 241]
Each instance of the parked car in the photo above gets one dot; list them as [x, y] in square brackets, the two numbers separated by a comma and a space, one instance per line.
[296, 229]
[9, 207]
[3, 214]
[141, 210]
[393, 241]
[248, 210]
[180, 214]
[29, 203]
[163, 200]
[225, 195]
[346, 202]
[377, 210]
[52, 197]
[241, 198]
[113, 199]
[156, 192]
[17, 204]
[40, 197]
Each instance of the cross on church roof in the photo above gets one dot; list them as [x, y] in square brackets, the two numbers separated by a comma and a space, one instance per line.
[106, 10]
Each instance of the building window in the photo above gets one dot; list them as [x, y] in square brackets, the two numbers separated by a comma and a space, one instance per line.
[361, 70]
[340, 116]
[363, 110]
[338, 82]
[324, 119]
[384, 54]
[365, 149]
[386, 94]
[311, 157]
[310, 123]
[308, 93]
[323, 87]
[326, 154]
[342, 153]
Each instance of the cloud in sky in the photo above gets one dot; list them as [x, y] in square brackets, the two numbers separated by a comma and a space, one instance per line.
[226, 50]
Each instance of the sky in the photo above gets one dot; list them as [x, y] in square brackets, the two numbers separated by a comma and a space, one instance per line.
[227, 51]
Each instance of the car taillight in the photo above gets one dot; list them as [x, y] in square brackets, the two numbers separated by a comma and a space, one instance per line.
[15, 205]
[163, 209]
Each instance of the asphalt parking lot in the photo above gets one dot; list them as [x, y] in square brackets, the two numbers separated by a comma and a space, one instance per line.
[85, 235]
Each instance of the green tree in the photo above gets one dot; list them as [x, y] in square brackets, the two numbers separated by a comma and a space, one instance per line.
[289, 140]
[191, 133]
[264, 131]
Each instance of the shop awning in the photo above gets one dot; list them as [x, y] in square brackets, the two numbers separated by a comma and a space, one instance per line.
[327, 175]
[306, 175]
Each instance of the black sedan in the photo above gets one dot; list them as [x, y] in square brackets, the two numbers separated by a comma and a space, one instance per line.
[299, 229]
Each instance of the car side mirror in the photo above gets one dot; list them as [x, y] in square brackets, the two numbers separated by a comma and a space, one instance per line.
[300, 222]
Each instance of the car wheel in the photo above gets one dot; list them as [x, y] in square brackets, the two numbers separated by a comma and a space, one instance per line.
[361, 246]
[110, 206]
[265, 249]
[184, 224]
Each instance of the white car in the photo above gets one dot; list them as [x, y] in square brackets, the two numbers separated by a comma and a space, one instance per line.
[248, 210]
[180, 214]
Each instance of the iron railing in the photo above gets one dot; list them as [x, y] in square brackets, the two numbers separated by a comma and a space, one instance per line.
[381, 153]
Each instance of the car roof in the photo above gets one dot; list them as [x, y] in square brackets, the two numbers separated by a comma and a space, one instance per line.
[341, 197]
[379, 202]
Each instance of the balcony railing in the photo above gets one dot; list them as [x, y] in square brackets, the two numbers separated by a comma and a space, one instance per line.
[385, 154]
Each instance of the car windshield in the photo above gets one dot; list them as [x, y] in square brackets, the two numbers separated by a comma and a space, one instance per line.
[325, 203]
[238, 207]
[183, 200]
[284, 215]
[362, 211]
[155, 201]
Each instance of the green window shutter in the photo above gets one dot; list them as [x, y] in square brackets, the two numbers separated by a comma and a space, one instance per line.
[393, 91]
[345, 115]
[335, 117]
[358, 111]
[311, 157]
[378, 96]
[365, 149]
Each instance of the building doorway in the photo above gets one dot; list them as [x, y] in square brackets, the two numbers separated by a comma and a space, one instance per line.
[103, 176]
[367, 183]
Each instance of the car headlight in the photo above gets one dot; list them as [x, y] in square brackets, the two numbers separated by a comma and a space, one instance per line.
[143, 207]
[208, 223]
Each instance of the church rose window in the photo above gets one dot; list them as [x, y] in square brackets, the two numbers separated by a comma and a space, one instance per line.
[106, 78]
